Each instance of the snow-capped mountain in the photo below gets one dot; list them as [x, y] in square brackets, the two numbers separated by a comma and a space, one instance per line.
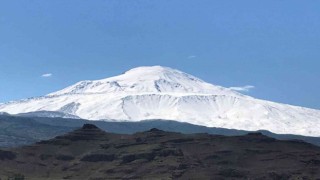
[163, 93]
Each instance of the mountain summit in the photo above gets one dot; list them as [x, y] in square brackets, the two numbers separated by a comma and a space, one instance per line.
[154, 79]
[163, 93]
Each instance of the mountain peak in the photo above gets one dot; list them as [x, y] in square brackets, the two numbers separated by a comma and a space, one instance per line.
[150, 69]
[89, 126]
[147, 79]
[86, 132]
[157, 71]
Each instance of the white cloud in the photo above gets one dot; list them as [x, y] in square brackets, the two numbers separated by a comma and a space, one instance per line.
[46, 75]
[246, 88]
[191, 57]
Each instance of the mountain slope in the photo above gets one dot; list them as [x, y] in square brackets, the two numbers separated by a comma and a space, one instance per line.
[90, 153]
[17, 130]
[163, 93]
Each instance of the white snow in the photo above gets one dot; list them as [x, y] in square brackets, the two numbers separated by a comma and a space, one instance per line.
[163, 93]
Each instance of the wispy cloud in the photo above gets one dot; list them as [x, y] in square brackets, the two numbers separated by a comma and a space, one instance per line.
[47, 75]
[246, 88]
[191, 57]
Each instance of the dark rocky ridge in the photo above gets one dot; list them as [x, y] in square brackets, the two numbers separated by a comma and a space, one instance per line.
[90, 153]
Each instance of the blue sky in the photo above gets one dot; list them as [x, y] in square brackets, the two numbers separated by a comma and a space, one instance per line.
[270, 46]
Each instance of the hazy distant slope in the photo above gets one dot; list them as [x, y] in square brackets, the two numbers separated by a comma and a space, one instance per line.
[17, 131]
